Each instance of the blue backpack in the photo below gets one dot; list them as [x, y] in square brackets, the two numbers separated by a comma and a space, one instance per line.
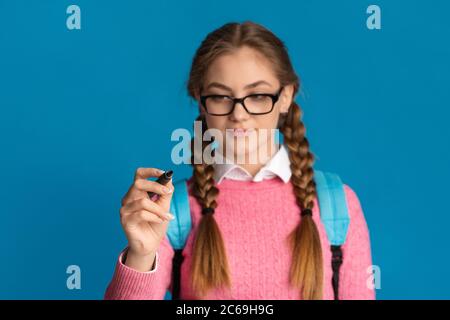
[333, 214]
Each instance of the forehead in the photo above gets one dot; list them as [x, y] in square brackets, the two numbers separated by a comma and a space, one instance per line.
[240, 68]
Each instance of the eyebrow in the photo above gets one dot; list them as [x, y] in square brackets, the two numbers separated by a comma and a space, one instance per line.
[249, 86]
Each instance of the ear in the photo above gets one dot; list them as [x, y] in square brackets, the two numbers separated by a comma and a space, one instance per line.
[286, 98]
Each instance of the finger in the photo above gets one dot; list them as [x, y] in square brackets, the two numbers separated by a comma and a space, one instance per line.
[144, 204]
[152, 186]
[140, 216]
[165, 199]
[144, 173]
[141, 174]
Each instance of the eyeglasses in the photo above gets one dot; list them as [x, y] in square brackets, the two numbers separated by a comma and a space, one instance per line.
[255, 104]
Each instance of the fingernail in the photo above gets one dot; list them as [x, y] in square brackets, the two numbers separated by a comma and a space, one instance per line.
[167, 190]
[170, 216]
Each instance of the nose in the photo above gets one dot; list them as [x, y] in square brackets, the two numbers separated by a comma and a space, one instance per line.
[239, 113]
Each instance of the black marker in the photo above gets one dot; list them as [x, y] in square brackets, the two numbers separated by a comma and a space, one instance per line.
[163, 179]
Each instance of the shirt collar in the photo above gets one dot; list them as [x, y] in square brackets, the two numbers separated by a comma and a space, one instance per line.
[277, 166]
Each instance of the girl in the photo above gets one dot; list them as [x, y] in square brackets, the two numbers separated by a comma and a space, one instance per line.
[256, 229]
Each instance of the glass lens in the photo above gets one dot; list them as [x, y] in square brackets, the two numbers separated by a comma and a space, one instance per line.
[219, 105]
[258, 103]
[223, 105]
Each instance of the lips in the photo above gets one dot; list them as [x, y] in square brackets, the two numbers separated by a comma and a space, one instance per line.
[240, 132]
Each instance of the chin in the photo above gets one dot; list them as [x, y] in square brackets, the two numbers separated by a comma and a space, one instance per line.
[245, 150]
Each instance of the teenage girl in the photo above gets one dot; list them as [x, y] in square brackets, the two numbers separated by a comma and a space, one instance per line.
[256, 229]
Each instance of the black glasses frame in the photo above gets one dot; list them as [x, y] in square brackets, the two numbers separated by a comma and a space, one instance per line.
[274, 98]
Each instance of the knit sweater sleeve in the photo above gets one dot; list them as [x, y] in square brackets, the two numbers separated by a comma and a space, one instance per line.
[355, 273]
[130, 284]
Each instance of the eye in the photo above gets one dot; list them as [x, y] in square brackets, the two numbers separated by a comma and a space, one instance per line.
[218, 98]
[258, 97]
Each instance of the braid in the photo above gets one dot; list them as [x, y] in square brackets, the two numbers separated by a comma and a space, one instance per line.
[307, 264]
[209, 264]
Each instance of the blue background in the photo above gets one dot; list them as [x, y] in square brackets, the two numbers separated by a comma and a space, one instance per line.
[82, 109]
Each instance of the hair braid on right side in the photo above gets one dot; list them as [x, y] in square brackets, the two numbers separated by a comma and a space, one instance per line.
[307, 263]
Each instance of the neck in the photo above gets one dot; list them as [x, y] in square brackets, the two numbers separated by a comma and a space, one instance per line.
[253, 169]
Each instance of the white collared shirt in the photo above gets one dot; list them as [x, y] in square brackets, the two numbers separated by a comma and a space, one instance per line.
[278, 165]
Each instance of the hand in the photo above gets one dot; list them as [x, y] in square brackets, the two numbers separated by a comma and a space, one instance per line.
[145, 221]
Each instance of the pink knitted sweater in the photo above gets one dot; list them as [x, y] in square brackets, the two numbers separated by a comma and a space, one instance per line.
[255, 219]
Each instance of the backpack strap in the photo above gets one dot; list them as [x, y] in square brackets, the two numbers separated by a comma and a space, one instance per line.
[177, 232]
[179, 228]
[334, 216]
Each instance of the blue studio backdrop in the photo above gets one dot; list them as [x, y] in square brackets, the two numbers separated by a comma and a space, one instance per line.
[81, 109]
